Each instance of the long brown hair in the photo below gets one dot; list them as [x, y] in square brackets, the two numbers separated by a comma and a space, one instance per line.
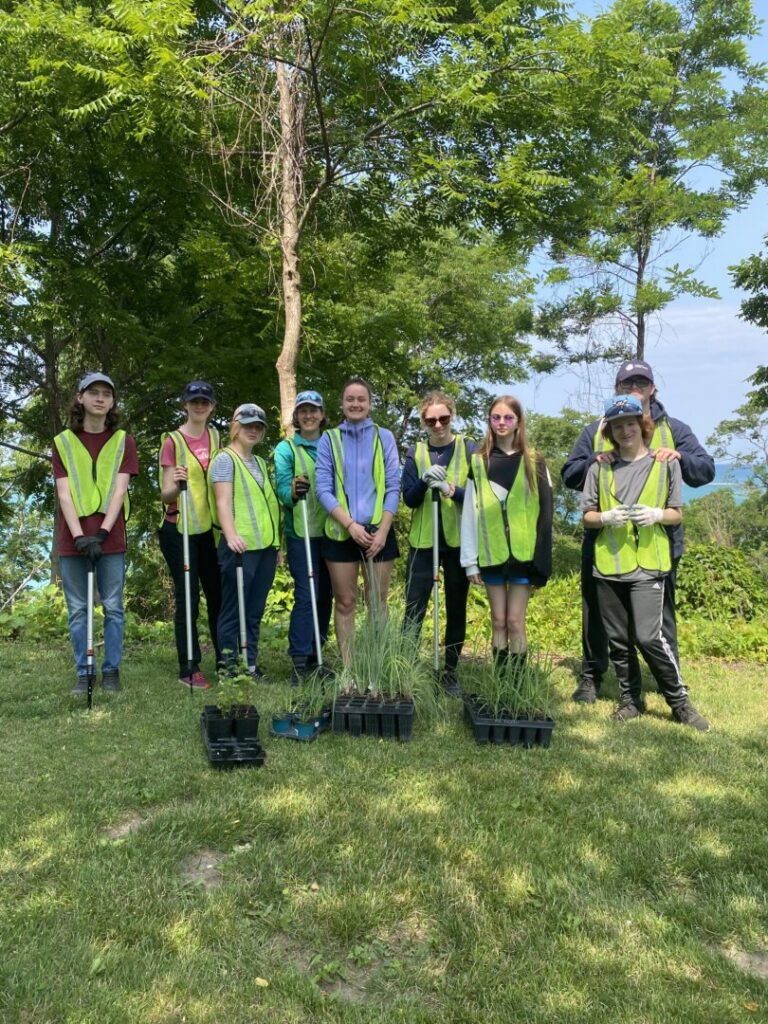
[77, 414]
[437, 398]
[520, 439]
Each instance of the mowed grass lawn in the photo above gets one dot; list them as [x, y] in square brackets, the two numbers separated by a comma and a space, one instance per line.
[620, 876]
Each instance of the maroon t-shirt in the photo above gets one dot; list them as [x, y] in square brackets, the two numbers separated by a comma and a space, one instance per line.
[115, 542]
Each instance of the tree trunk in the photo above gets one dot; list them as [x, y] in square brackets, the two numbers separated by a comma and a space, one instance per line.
[290, 171]
[51, 391]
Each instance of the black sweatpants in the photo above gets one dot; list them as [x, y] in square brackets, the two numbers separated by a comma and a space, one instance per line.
[455, 588]
[203, 570]
[632, 613]
[594, 642]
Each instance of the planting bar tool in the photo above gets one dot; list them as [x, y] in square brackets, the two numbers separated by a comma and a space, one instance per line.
[241, 608]
[311, 574]
[90, 671]
[435, 583]
[187, 582]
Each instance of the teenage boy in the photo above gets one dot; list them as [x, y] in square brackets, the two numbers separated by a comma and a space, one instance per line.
[672, 440]
[93, 463]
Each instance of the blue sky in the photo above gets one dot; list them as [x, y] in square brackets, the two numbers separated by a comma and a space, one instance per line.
[701, 351]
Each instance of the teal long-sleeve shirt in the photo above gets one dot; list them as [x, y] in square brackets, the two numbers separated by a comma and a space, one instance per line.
[285, 471]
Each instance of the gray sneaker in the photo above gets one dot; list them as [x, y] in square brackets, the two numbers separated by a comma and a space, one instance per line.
[80, 689]
[687, 714]
[586, 692]
[110, 681]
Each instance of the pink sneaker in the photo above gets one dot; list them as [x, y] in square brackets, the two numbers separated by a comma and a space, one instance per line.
[197, 681]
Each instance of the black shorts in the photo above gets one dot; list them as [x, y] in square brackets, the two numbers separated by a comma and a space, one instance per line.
[349, 551]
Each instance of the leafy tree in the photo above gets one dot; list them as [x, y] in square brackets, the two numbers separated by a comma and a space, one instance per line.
[554, 437]
[752, 276]
[743, 441]
[691, 150]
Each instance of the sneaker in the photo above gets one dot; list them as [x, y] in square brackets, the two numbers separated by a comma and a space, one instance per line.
[450, 682]
[687, 714]
[256, 672]
[110, 681]
[80, 688]
[196, 681]
[586, 692]
[626, 711]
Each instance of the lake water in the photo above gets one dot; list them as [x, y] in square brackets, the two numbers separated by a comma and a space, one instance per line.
[725, 476]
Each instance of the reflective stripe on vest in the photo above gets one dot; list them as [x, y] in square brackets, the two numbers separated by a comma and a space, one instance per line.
[333, 529]
[92, 484]
[622, 549]
[662, 437]
[304, 465]
[457, 470]
[506, 529]
[197, 484]
[254, 507]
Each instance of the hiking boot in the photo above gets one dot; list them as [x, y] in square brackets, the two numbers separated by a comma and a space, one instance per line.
[110, 681]
[196, 681]
[586, 692]
[687, 714]
[626, 711]
[80, 689]
[450, 682]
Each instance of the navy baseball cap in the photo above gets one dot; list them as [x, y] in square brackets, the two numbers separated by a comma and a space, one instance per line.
[95, 378]
[309, 398]
[199, 389]
[634, 368]
[622, 405]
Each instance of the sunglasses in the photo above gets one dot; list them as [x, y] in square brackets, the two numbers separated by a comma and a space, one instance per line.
[508, 417]
[636, 382]
[432, 421]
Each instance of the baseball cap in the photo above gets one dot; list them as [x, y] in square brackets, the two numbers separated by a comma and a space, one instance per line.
[249, 412]
[95, 377]
[634, 368]
[622, 405]
[198, 389]
[309, 398]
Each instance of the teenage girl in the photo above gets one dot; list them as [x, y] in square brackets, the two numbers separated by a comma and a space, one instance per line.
[295, 482]
[244, 506]
[93, 462]
[631, 500]
[506, 528]
[358, 485]
[185, 454]
[441, 463]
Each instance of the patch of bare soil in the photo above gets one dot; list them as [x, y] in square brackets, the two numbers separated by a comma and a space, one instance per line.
[202, 868]
[131, 824]
[755, 963]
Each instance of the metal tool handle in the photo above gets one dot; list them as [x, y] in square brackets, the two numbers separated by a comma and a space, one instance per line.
[311, 574]
[435, 580]
[187, 579]
[241, 608]
[89, 655]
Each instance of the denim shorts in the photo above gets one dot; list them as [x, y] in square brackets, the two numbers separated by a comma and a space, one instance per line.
[503, 575]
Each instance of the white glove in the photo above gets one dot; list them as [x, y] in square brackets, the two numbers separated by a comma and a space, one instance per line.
[434, 473]
[615, 516]
[442, 485]
[645, 515]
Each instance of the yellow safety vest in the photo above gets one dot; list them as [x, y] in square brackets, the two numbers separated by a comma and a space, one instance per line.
[662, 437]
[622, 549]
[304, 465]
[197, 483]
[92, 484]
[505, 529]
[457, 470]
[333, 529]
[255, 508]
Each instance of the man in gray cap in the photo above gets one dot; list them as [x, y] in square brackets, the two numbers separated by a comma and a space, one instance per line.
[672, 440]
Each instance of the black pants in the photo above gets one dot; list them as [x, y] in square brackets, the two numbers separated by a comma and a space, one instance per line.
[633, 613]
[455, 588]
[594, 642]
[203, 569]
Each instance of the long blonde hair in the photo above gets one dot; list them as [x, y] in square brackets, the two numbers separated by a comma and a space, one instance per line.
[520, 439]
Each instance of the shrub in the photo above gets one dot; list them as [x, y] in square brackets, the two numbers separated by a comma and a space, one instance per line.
[719, 583]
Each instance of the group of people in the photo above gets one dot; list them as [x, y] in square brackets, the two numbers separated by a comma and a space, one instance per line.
[333, 492]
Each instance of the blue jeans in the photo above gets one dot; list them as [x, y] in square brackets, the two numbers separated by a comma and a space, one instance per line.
[258, 574]
[110, 576]
[301, 629]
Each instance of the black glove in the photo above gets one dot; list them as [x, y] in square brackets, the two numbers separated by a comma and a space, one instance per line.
[299, 487]
[89, 547]
[101, 535]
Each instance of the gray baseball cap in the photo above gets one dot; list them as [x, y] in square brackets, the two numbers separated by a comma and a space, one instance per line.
[249, 412]
[95, 377]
